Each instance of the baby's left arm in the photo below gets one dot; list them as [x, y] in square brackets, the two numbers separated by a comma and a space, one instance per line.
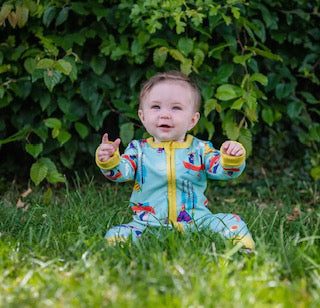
[227, 163]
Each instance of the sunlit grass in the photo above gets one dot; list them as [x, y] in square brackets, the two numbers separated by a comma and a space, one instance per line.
[54, 255]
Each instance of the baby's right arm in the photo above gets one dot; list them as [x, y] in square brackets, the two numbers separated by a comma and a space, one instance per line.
[106, 148]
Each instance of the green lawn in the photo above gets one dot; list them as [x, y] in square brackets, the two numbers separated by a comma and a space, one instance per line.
[54, 255]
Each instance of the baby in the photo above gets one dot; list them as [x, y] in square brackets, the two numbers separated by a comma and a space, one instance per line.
[171, 168]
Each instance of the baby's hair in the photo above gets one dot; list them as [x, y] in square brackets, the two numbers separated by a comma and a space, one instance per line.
[174, 76]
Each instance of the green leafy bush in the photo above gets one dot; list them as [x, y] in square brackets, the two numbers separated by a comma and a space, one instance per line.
[71, 70]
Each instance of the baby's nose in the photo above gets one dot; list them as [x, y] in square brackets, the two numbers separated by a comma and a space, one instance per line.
[165, 114]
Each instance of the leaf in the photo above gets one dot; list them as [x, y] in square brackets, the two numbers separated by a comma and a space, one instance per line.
[264, 53]
[42, 132]
[45, 63]
[51, 78]
[294, 109]
[237, 105]
[12, 17]
[20, 204]
[38, 172]
[245, 138]
[26, 193]
[53, 176]
[22, 15]
[160, 56]
[232, 130]
[74, 71]
[217, 50]
[260, 78]
[98, 64]
[235, 12]
[242, 59]
[252, 99]
[48, 15]
[315, 132]
[29, 65]
[177, 55]
[97, 121]
[283, 90]
[185, 45]
[47, 197]
[63, 67]
[34, 149]
[55, 133]
[227, 92]
[310, 98]
[268, 115]
[20, 135]
[53, 123]
[126, 133]
[88, 90]
[199, 57]
[62, 16]
[315, 173]
[209, 105]
[5, 11]
[45, 100]
[81, 129]
[223, 73]
[186, 66]
[210, 128]
[63, 136]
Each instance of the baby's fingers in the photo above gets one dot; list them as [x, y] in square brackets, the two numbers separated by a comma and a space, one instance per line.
[232, 148]
[116, 143]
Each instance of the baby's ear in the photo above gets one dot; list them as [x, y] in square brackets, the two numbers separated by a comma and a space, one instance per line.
[194, 120]
[140, 114]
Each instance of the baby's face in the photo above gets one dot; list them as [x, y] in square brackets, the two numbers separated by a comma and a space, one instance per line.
[168, 111]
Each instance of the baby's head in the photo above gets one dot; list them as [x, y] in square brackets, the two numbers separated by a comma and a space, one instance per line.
[168, 106]
[171, 77]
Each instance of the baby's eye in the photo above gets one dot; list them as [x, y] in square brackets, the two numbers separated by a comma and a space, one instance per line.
[155, 107]
[176, 108]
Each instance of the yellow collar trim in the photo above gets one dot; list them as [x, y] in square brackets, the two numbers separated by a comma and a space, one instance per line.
[173, 144]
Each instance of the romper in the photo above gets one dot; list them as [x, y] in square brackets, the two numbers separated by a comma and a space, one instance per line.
[170, 179]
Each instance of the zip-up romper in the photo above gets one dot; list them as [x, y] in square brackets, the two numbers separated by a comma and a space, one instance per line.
[170, 181]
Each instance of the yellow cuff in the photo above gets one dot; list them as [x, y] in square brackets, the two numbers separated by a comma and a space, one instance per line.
[233, 161]
[114, 240]
[111, 162]
[178, 226]
[243, 240]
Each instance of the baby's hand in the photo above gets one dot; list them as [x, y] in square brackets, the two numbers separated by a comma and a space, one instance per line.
[232, 148]
[106, 149]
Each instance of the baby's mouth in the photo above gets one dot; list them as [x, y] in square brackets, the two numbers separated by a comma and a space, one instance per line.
[165, 127]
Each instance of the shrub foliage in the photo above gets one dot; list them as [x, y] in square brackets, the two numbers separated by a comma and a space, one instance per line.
[70, 69]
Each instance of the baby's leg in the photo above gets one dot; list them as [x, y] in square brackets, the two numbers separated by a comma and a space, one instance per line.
[230, 226]
[122, 233]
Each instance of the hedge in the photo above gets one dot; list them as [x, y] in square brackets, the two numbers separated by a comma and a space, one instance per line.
[71, 70]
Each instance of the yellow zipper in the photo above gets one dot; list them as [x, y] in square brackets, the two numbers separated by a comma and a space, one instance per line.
[172, 188]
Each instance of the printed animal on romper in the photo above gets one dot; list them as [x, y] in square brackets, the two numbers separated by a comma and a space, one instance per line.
[140, 175]
[142, 210]
[188, 196]
[190, 164]
[214, 163]
[184, 216]
[136, 230]
[229, 171]
[110, 174]
[131, 161]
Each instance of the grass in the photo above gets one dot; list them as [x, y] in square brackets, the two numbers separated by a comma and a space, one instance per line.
[54, 254]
